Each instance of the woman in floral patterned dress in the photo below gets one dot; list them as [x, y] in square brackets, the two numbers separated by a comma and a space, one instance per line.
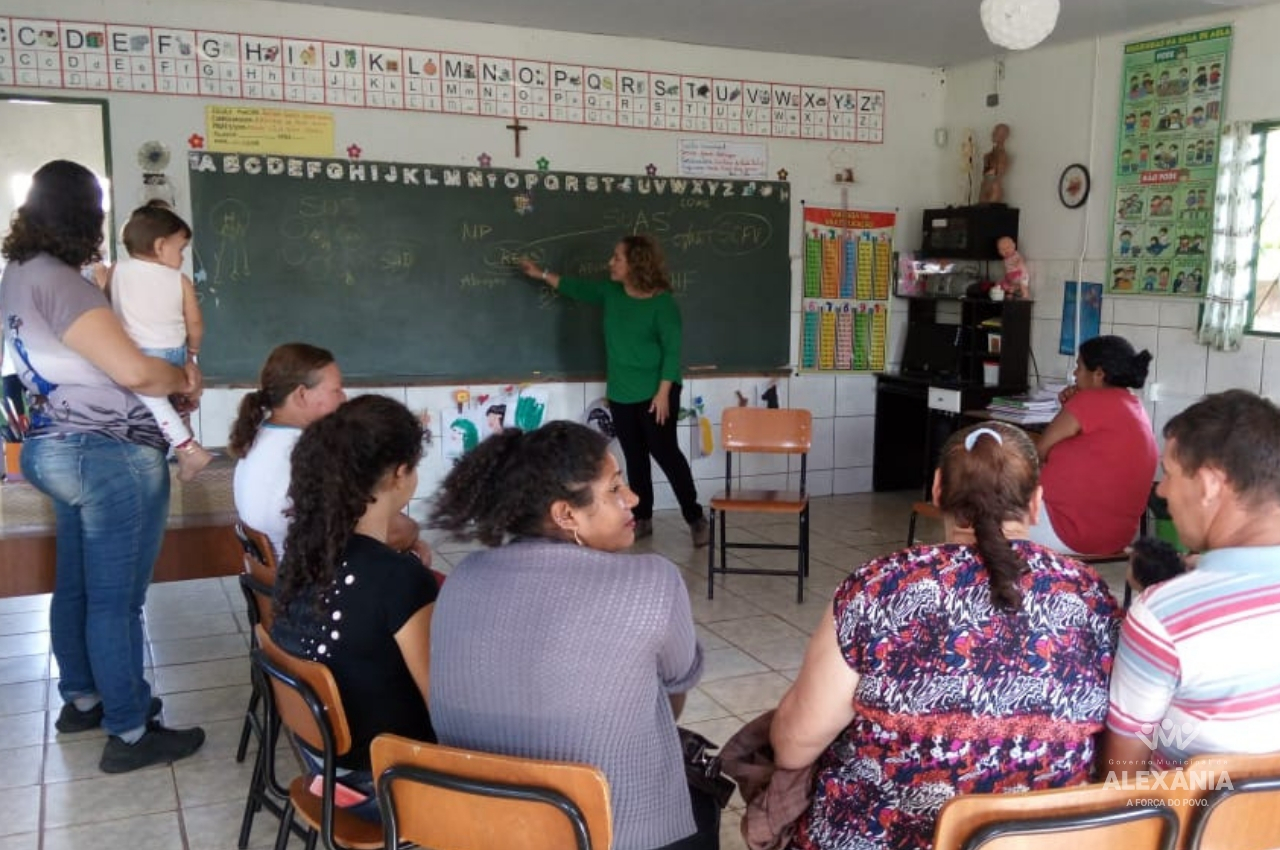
[977, 665]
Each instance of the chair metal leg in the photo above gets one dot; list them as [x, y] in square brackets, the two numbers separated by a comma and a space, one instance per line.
[253, 802]
[802, 556]
[249, 727]
[724, 541]
[286, 827]
[711, 558]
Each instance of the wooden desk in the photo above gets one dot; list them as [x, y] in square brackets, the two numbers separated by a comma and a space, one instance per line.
[198, 543]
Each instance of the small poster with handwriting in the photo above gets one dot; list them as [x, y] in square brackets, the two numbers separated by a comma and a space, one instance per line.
[847, 269]
[713, 158]
[293, 132]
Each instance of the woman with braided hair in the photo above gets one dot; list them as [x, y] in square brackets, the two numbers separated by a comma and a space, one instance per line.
[345, 598]
[980, 664]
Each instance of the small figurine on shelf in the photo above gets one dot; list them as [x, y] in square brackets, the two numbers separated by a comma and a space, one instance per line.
[1016, 282]
[994, 165]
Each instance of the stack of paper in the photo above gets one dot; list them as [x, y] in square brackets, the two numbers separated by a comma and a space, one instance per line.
[1035, 407]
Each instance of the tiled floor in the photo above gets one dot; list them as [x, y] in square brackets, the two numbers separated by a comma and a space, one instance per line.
[54, 798]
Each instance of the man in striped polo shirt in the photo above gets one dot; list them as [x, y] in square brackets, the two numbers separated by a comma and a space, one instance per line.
[1196, 670]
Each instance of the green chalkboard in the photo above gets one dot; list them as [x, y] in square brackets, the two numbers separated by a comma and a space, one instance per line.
[407, 272]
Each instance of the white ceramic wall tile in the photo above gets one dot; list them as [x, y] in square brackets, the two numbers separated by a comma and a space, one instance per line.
[1044, 346]
[395, 392]
[1271, 369]
[855, 395]
[1095, 270]
[1166, 409]
[1140, 337]
[822, 452]
[719, 393]
[1047, 289]
[1108, 316]
[754, 465]
[815, 393]
[433, 400]
[817, 482]
[1243, 368]
[218, 408]
[1183, 313]
[1182, 363]
[856, 480]
[854, 441]
[1137, 311]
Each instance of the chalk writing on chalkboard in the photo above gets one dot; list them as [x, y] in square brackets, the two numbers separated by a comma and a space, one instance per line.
[411, 271]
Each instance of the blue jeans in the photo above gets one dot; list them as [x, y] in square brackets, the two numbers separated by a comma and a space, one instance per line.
[173, 356]
[111, 501]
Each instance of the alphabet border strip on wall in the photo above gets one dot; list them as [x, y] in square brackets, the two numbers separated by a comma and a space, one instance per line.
[138, 59]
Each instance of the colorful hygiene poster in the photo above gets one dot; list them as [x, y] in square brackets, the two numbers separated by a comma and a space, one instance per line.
[848, 271]
[1171, 113]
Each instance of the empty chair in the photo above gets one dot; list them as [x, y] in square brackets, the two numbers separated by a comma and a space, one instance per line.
[451, 799]
[756, 430]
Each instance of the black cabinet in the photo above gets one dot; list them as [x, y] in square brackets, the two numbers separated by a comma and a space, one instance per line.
[996, 332]
[908, 431]
[967, 233]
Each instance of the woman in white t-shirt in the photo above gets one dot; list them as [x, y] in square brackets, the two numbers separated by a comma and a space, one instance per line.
[299, 383]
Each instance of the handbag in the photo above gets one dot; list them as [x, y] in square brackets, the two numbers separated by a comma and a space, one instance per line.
[702, 768]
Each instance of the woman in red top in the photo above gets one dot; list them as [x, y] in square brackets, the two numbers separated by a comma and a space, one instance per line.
[1099, 454]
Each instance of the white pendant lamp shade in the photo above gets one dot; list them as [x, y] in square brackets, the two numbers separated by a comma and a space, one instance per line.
[1018, 24]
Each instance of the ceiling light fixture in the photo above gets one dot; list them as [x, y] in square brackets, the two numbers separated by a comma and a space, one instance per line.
[1018, 24]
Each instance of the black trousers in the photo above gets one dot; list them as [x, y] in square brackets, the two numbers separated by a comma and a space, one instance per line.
[640, 436]
[706, 816]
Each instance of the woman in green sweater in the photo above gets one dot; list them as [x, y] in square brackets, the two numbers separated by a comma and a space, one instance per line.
[642, 348]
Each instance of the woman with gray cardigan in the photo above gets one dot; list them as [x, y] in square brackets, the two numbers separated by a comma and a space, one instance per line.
[554, 643]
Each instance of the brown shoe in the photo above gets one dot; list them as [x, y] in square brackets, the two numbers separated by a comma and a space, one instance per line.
[644, 528]
[700, 529]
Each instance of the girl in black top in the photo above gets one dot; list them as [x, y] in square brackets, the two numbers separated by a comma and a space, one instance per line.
[344, 597]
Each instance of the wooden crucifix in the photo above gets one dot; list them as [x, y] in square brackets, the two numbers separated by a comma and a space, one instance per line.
[517, 128]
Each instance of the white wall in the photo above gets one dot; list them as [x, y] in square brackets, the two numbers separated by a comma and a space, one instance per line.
[888, 174]
[1059, 116]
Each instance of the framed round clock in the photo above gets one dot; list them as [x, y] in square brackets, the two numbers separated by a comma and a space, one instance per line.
[1073, 186]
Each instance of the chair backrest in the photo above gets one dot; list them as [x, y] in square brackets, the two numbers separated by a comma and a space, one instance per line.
[1111, 815]
[257, 547]
[451, 799]
[760, 429]
[259, 577]
[1242, 802]
[305, 696]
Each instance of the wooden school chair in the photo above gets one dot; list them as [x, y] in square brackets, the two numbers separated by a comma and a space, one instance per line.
[257, 583]
[1245, 816]
[451, 799]
[759, 430]
[305, 697]
[1104, 817]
